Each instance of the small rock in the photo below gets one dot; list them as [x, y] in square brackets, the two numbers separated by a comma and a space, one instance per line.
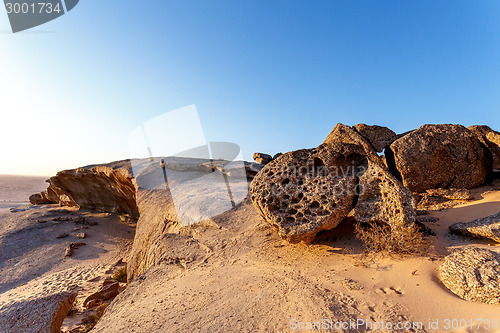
[68, 251]
[107, 292]
[277, 155]
[62, 235]
[93, 223]
[41, 221]
[62, 218]
[427, 219]
[262, 158]
[487, 227]
[81, 235]
[473, 274]
[80, 220]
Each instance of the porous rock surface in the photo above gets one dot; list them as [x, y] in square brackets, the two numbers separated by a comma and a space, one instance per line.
[378, 136]
[439, 156]
[306, 191]
[473, 274]
[487, 227]
[310, 190]
[37, 315]
[491, 139]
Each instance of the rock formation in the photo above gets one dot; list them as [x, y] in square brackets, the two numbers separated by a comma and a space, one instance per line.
[305, 191]
[107, 187]
[41, 315]
[473, 274]
[439, 156]
[310, 190]
[487, 227]
[262, 158]
[491, 140]
[379, 137]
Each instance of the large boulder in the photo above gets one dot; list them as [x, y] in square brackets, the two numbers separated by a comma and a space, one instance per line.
[439, 156]
[39, 315]
[306, 191]
[491, 139]
[487, 227]
[378, 136]
[473, 274]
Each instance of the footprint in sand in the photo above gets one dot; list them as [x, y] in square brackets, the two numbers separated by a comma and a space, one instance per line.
[390, 291]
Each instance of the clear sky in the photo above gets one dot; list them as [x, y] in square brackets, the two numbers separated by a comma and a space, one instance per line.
[268, 75]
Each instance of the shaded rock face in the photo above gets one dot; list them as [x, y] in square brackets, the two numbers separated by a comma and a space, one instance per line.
[306, 191]
[488, 227]
[107, 187]
[379, 137]
[473, 274]
[38, 315]
[491, 139]
[439, 156]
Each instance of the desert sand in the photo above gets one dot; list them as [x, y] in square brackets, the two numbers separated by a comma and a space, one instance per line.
[242, 277]
[15, 190]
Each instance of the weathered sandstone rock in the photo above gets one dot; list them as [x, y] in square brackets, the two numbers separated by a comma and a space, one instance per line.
[491, 139]
[107, 187]
[439, 156]
[488, 227]
[384, 199]
[37, 315]
[306, 191]
[473, 274]
[107, 292]
[378, 136]
[262, 158]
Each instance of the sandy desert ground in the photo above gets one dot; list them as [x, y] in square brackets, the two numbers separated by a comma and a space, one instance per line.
[15, 190]
[254, 281]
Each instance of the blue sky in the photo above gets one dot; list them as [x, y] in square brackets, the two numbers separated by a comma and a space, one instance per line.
[268, 75]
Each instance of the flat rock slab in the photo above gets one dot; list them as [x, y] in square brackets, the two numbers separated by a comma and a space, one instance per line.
[473, 274]
[487, 227]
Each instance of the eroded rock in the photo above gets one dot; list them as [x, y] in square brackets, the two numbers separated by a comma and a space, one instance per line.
[378, 136]
[309, 190]
[106, 187]
[37, 315]
[439, 156]
[262, 158]
[383, 199]
[306, 191]
[107, 292]
[487, 227]
[473, 274]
